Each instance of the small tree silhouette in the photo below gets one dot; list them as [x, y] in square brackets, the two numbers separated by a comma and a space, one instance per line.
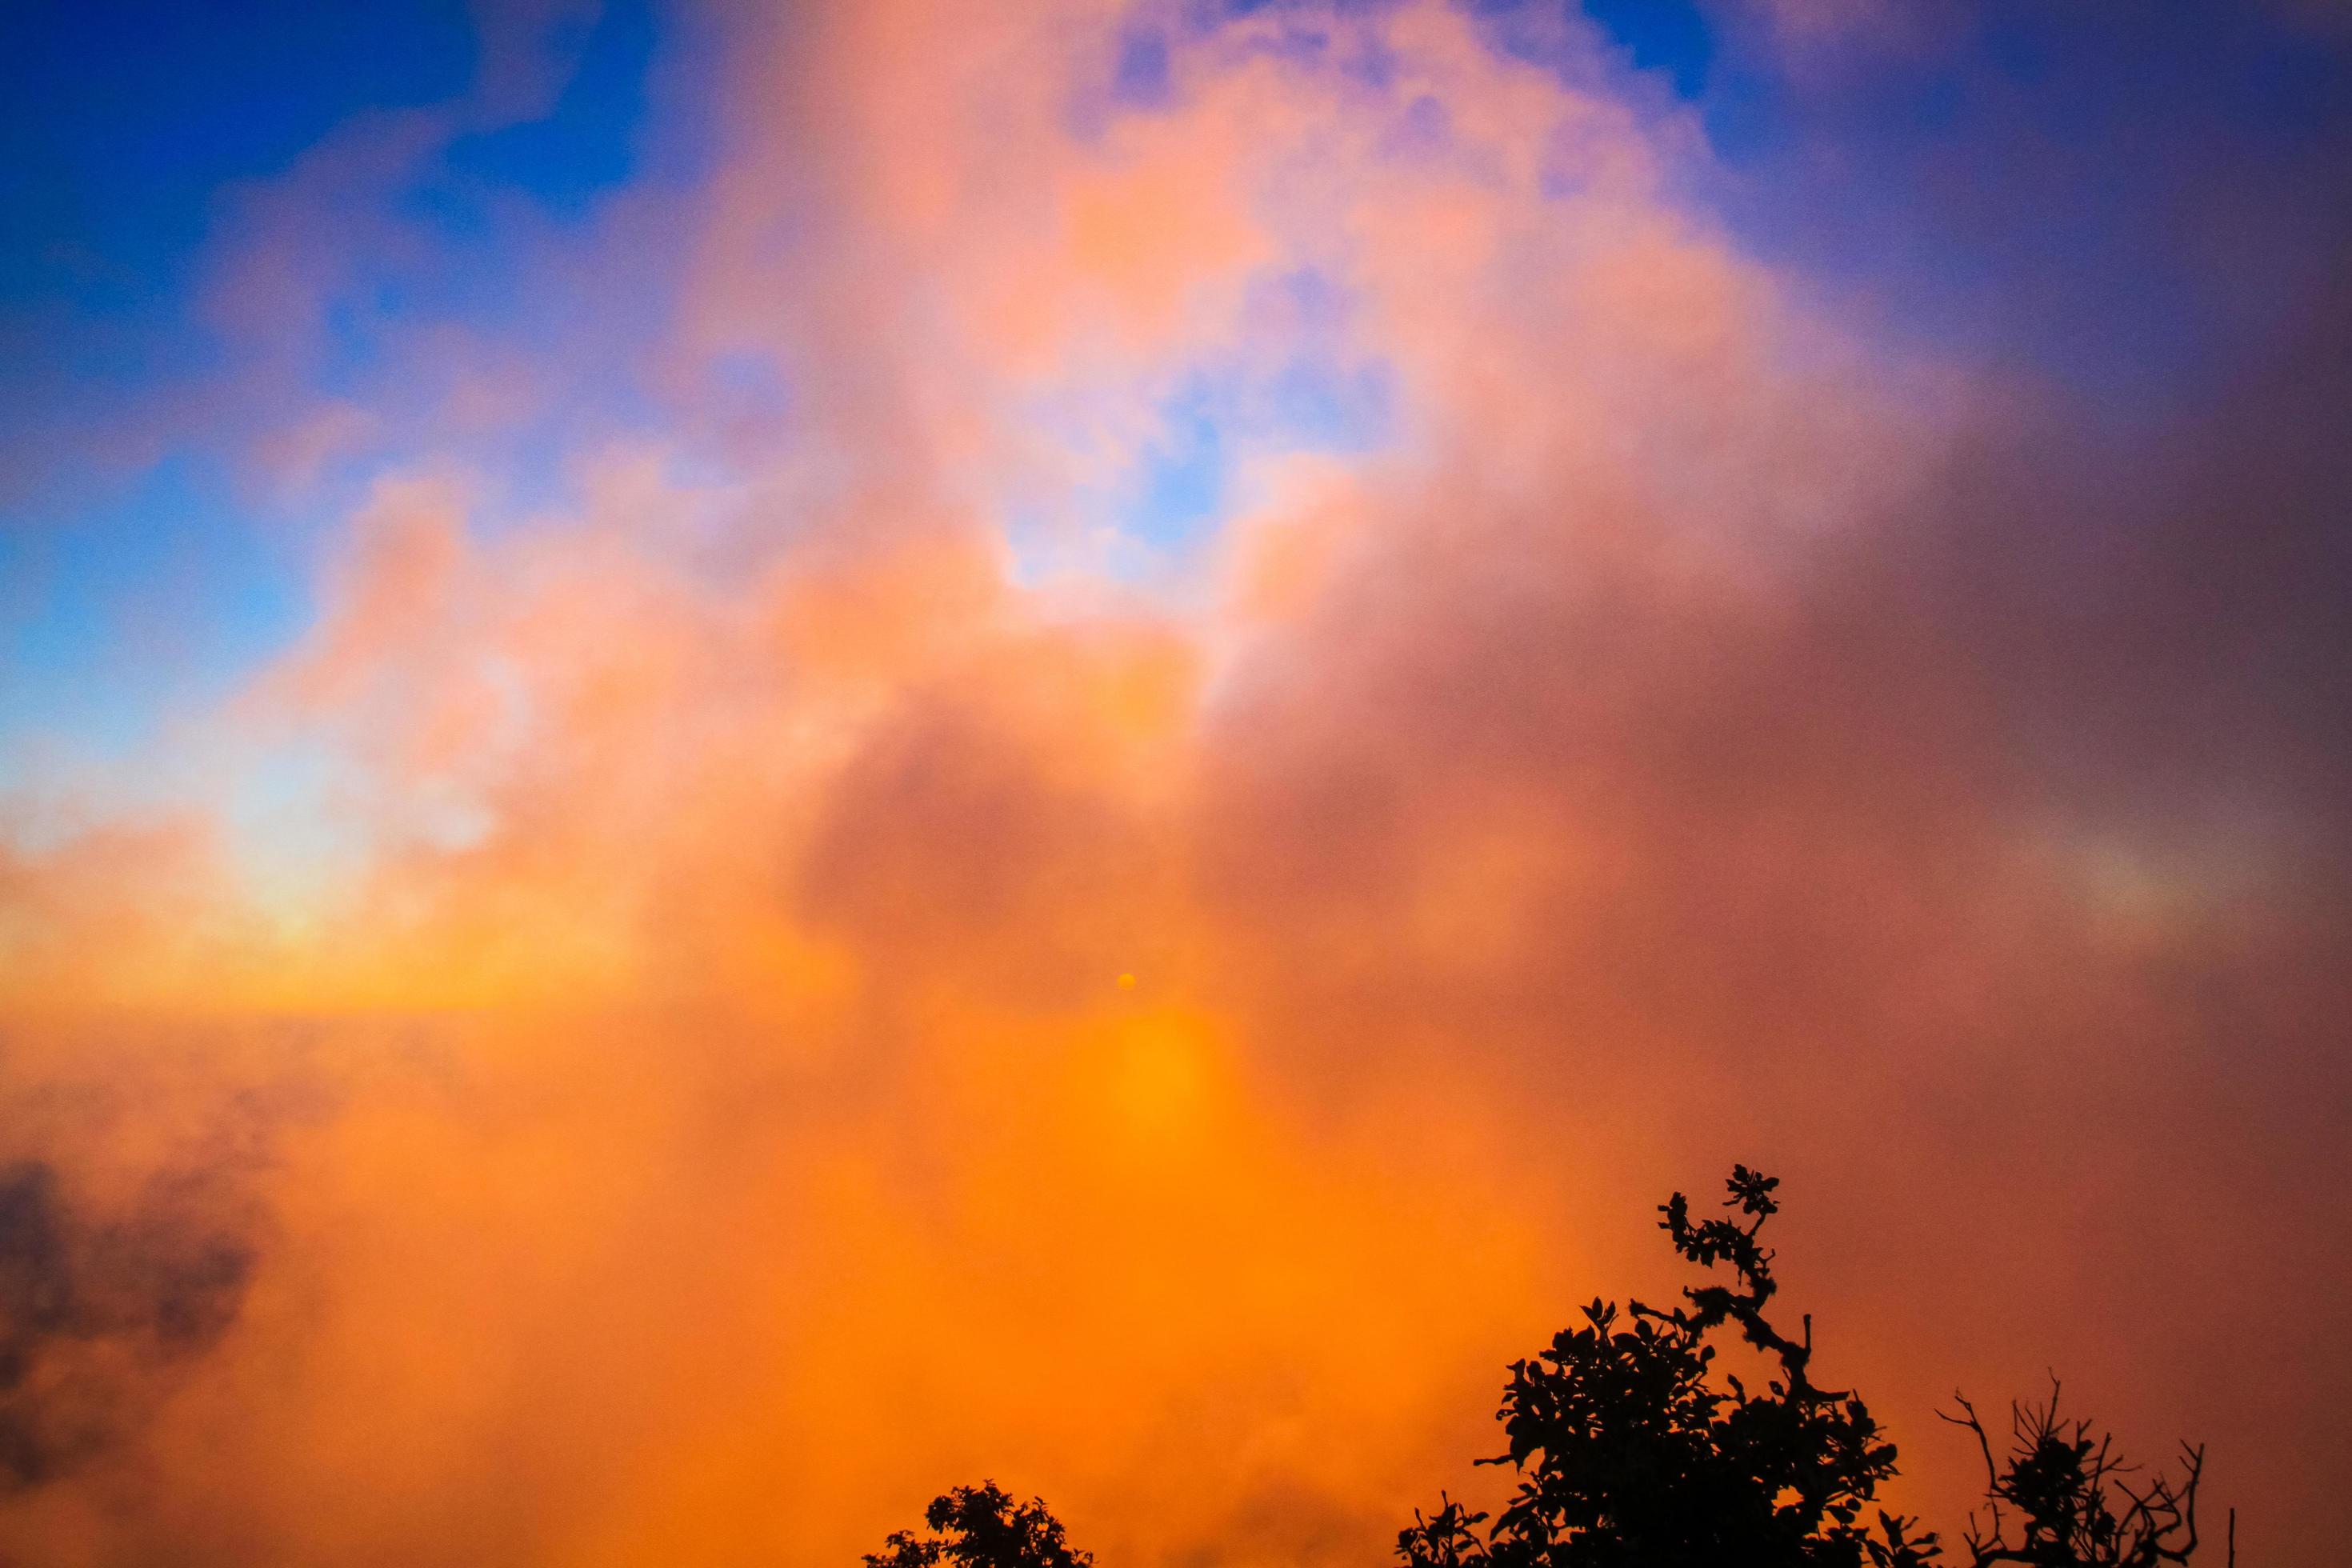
[2067, 1491]
[1628, 1454]
[982, 1526]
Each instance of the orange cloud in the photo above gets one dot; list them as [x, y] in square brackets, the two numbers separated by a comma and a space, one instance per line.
[713, 1115]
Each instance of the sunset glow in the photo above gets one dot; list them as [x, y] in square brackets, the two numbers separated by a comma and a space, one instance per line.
[757, 756]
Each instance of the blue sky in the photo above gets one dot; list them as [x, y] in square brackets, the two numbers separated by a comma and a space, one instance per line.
[2032, 189]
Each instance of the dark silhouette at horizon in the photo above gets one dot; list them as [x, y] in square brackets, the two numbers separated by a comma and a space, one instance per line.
[1633, 1450]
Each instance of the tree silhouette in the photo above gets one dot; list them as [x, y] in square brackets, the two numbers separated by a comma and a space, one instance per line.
[1630, 1453]
[982, 1526]
[2069, 1494]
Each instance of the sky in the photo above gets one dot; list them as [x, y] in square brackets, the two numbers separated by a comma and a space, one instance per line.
[756, 757]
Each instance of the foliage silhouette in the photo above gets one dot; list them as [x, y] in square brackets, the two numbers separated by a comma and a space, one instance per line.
[1631, 1454]
[2070, 1496]
[982, 1526]
[1628, 1454]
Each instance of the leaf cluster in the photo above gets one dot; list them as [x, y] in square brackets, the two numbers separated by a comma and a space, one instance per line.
[1631, 1449]
[2073, 1501]
[982, 1526]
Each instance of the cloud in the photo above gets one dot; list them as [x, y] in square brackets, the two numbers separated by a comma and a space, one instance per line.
[154, 1289]
[819, 1013]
